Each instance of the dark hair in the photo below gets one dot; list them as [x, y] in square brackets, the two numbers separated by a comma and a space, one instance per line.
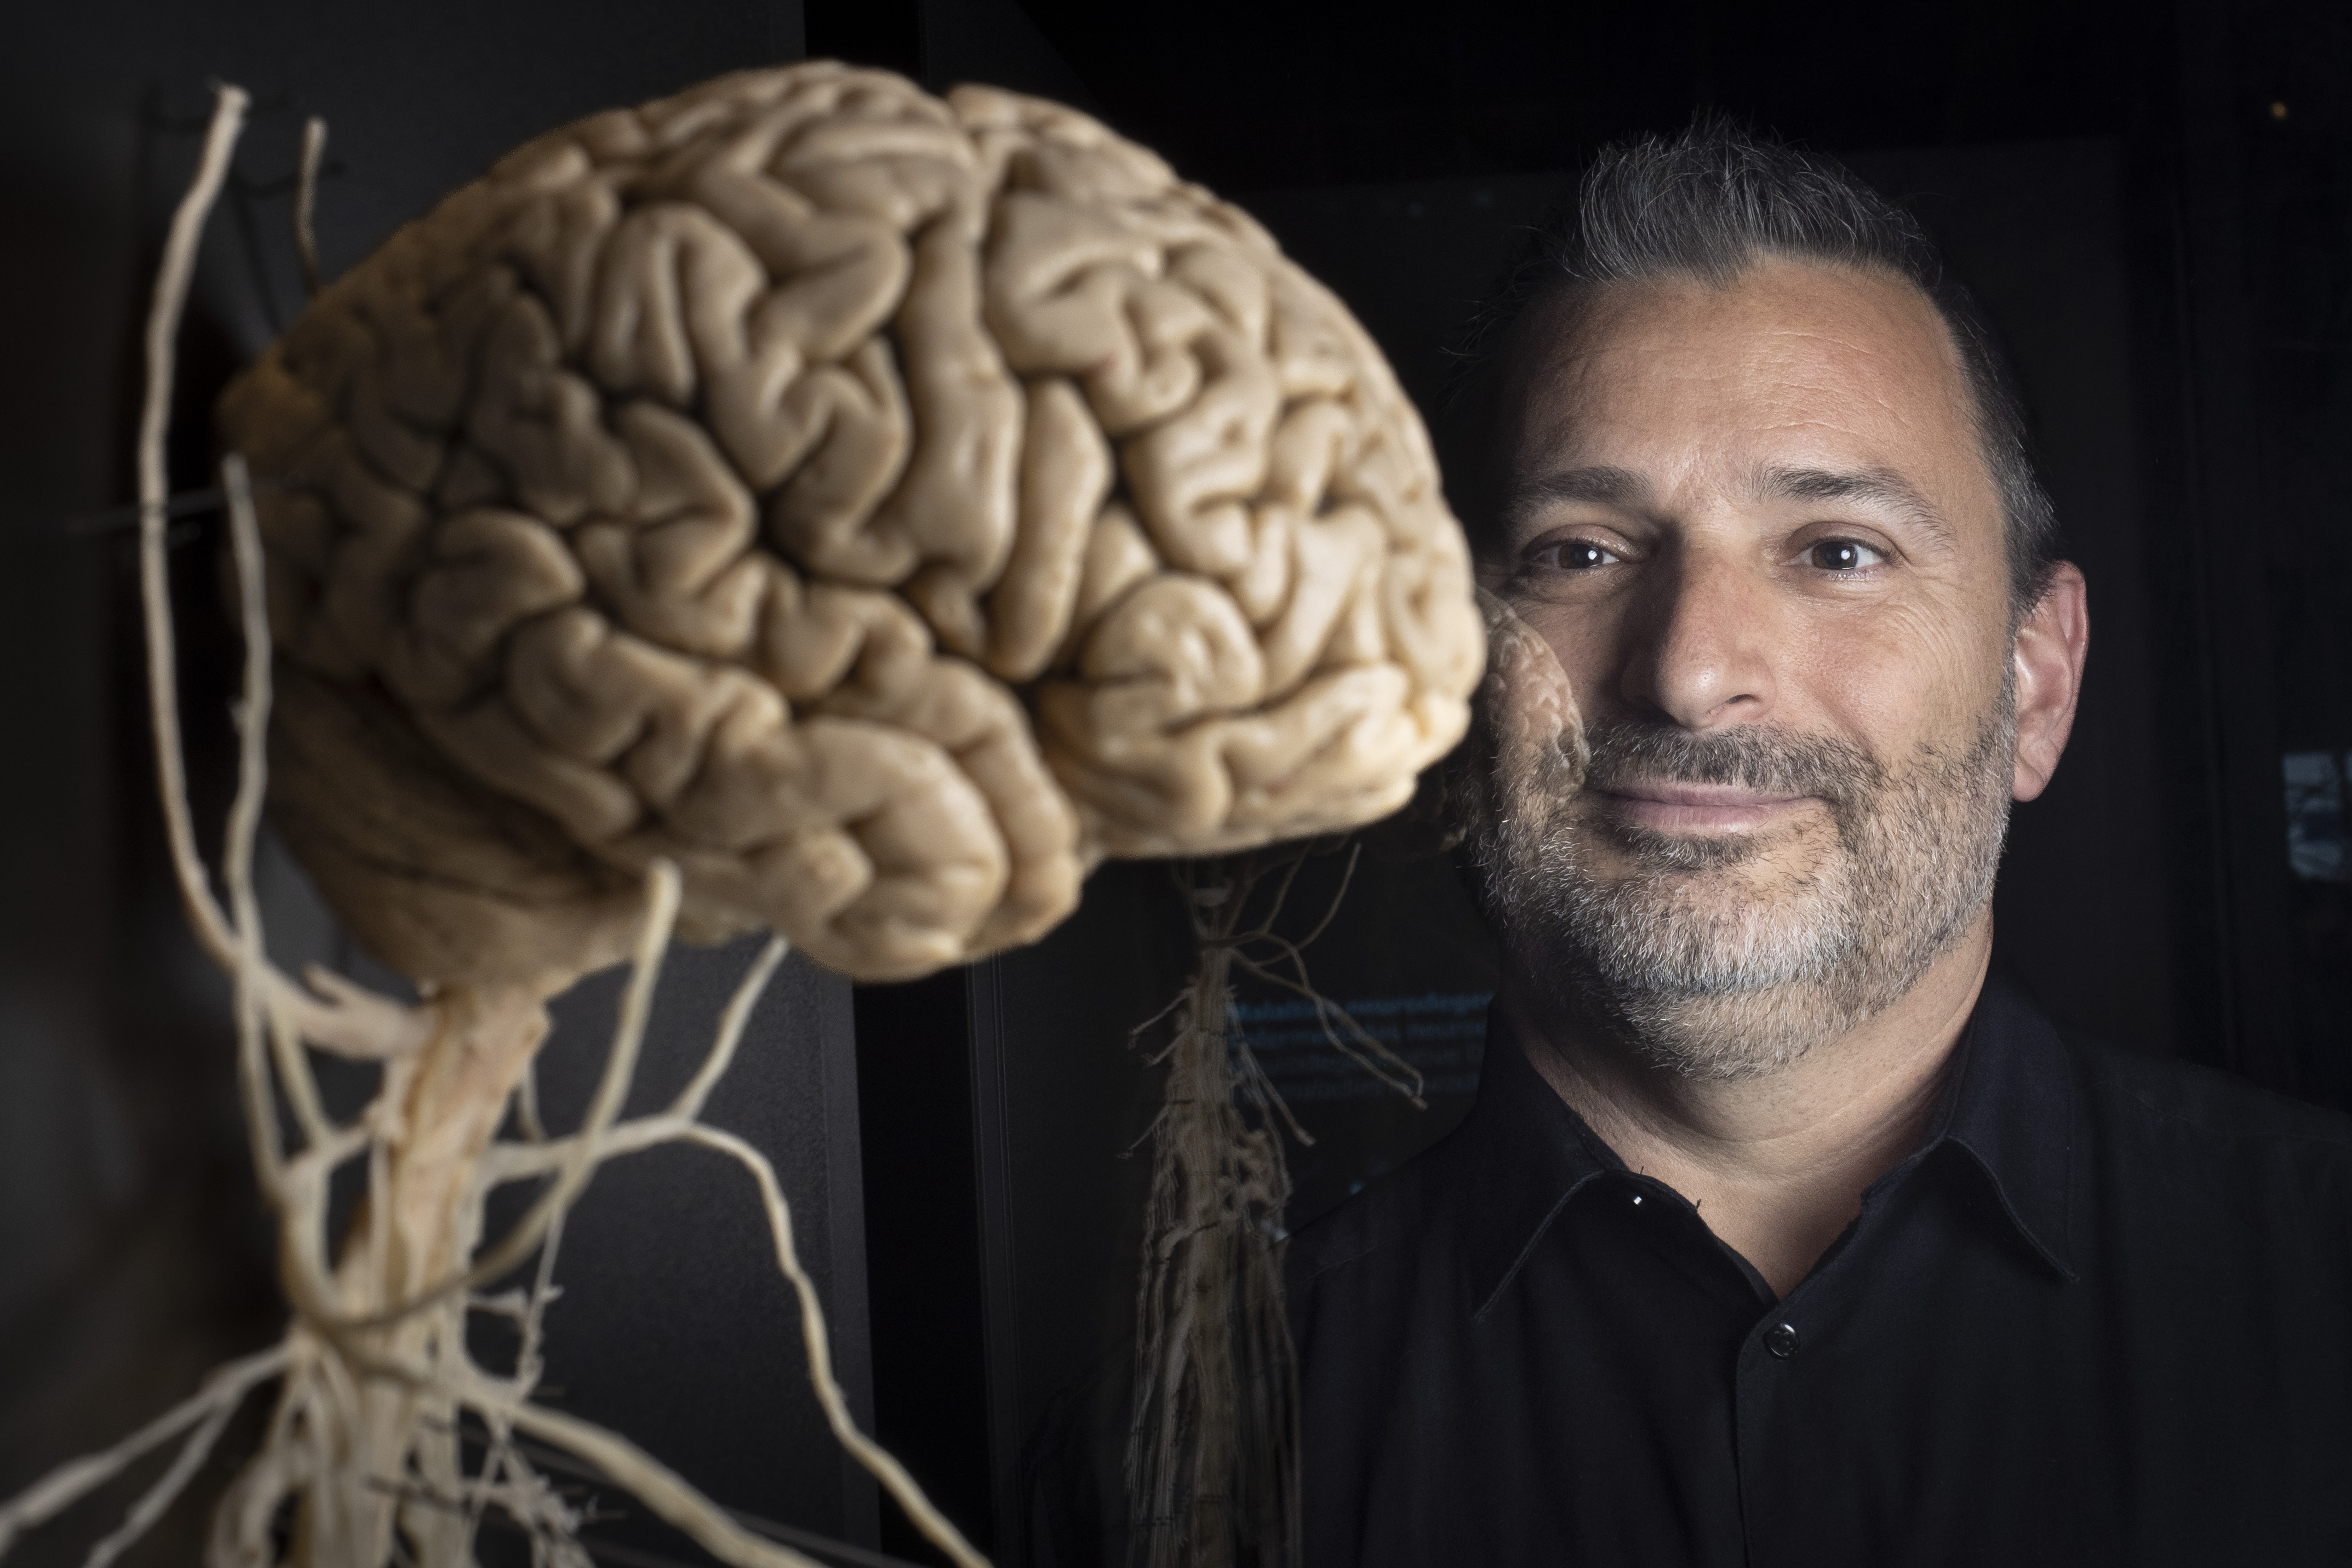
[1714, 200]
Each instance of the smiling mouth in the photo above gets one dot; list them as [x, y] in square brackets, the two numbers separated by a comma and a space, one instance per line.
[1697, 808]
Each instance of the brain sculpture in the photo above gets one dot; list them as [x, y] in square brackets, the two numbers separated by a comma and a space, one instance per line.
[884, 507]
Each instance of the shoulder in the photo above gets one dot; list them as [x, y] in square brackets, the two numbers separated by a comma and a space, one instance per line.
[2180, 1124]
[2199, 1104]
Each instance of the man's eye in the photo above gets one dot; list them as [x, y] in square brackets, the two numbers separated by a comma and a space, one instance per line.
[1574, 555]
[1844, 555]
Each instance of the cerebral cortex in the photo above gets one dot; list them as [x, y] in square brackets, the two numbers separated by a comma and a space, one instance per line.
[884, 507]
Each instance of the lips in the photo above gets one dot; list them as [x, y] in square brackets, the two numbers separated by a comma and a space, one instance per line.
[1674, 807]
[1722, 785]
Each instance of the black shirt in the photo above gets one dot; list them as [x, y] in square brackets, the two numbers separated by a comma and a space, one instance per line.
[2103, 1315]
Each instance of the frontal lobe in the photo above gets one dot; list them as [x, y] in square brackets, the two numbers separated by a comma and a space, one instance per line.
[882, 506]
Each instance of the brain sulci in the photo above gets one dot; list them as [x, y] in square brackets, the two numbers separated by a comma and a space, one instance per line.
[883, 506]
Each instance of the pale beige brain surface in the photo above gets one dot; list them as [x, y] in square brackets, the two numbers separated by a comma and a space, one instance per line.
[885, 507]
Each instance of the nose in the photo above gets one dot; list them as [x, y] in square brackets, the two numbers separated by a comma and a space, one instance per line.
[1701, 650]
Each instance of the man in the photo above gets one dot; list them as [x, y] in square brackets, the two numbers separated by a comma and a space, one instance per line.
[1777, 1235]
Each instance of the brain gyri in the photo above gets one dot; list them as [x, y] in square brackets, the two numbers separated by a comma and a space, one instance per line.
[884, 507]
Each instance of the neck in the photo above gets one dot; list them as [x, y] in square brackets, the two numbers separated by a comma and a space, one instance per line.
[1776, 1163]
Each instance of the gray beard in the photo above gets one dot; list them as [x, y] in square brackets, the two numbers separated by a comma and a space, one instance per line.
[1695, 978]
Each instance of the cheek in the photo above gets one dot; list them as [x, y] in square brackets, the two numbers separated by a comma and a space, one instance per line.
[1896, 678]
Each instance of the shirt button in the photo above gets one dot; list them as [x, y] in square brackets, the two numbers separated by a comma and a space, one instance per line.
[1781, 1339]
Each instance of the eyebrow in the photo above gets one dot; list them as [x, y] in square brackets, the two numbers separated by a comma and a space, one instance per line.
[1880, 486]
[1593, 485]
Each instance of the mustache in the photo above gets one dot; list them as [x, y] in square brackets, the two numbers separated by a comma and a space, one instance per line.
[1748, 756]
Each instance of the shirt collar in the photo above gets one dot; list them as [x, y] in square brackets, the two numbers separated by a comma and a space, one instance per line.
[2007, 1107]
[1532, 1154]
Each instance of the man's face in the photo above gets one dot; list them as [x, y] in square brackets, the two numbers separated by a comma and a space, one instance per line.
[1756, 526]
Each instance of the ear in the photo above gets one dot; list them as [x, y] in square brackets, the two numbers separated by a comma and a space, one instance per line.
[2051, 643]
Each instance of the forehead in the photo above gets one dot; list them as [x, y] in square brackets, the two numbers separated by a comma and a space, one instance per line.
[1793, 364]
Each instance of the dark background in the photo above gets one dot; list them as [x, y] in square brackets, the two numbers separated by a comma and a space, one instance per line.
[2152, 199]
[2152, 202]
